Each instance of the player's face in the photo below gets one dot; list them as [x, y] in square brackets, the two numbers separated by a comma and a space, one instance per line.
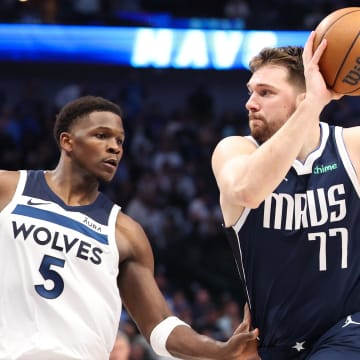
[96, 144]
[272, 100]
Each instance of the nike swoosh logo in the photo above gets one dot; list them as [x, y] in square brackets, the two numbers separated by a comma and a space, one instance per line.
[32, 202]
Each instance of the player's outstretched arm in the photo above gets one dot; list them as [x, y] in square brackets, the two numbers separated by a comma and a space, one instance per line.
[167, 334]
[185, 343]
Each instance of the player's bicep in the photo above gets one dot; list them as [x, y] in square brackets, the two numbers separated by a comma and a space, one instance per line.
[230, 162]
[133, 243]
[138, 288]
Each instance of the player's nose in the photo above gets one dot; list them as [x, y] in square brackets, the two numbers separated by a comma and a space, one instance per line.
[252, 104]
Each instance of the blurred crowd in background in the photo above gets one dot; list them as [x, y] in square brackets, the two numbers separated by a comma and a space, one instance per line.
[252, 14]
[164, 180]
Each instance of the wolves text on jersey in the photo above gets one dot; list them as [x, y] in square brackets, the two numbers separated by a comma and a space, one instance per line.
[58, 241]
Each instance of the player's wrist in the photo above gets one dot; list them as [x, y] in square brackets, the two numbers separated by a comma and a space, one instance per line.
[161, 333]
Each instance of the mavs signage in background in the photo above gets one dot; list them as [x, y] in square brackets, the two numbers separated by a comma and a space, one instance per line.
[139, 47]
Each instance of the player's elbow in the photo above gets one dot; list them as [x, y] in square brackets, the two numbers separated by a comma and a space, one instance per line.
[245, 196]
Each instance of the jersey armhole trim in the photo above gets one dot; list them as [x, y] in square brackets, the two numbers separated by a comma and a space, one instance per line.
[112, 230]
[240, 222]
[346, 159]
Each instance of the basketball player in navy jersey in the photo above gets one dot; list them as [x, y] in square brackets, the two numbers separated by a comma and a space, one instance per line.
[289, 195]
[69, 257]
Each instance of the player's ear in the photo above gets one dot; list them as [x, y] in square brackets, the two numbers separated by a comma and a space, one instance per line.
[66, 141]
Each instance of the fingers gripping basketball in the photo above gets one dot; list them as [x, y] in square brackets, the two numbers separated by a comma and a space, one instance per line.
[340, 62]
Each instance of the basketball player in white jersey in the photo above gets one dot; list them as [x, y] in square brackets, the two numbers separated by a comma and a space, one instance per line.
[69, 257]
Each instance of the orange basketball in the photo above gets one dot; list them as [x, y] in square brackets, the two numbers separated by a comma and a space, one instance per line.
[340, 62]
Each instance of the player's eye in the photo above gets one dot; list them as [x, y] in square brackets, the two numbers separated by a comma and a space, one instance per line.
[265, 92]
[100, 136]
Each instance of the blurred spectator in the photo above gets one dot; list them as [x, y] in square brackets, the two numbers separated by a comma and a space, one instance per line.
[50, 12]
[290, 15]
[122, 347]
[10, 126]
[201, 104]
[143, 207]
[314, 16]
[88, 12]
[202, 305]
[132, 94]
[126, 5]
[182, 307]
[68, 93]
[229, 317]
[237, 9]
[166, 154]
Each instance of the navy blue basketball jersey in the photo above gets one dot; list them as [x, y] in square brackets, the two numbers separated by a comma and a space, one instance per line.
[58, 294]
[298, 252]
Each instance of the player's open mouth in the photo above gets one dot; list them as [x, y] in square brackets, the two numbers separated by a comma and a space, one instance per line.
[111, 162]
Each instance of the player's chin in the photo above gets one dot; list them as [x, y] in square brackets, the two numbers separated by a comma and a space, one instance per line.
[106, 173]
[105, 177]
[258, 135]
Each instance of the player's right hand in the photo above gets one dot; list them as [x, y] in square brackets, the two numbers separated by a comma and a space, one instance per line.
[243, 344]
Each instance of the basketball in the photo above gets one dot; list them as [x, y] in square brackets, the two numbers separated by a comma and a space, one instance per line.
[340, 62]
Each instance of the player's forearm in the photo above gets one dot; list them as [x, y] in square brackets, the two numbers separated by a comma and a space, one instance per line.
[269, 164]
[185, 343]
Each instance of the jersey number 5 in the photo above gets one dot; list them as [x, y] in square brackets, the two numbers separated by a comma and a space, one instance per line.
[49, 274]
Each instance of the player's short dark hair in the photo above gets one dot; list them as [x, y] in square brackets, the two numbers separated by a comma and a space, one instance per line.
[289, 57]
[80, 108]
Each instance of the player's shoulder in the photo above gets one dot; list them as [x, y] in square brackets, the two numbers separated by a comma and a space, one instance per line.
[8, 184]
[131, 239]
[351, 135]
[235, 141]
[8, 179]
[126, 221]
[233, 146]
[9, 173]
[353, 130]
[128, 228]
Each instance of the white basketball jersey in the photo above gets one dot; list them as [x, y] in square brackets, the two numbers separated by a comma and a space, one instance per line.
[58, 269]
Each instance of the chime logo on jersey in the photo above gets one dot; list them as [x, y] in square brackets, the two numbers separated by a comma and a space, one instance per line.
[310, 209]
[321, 169]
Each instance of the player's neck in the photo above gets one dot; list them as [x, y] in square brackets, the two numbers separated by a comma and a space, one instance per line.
[72, 188]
